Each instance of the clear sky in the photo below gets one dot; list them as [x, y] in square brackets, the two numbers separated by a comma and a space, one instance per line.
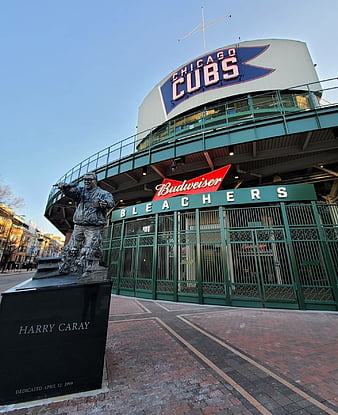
[74, 72]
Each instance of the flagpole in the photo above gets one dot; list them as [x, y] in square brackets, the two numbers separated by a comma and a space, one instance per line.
[203, 29]
[204, 26]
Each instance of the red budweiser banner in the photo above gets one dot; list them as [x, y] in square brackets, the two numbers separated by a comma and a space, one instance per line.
[209, 182]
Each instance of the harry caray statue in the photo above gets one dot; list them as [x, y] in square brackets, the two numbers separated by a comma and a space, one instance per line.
[83, 253]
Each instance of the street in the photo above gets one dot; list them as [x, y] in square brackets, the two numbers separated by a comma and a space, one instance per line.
[9, 279]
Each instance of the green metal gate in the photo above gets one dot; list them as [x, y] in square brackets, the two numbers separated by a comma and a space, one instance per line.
[314, 264]
[260, 270]
[136, 256]
[281, 255]
[166, 259]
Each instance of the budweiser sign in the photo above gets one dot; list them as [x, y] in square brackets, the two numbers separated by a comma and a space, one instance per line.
[209, 182]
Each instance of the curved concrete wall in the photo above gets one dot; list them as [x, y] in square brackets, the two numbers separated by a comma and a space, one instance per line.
[259, 65]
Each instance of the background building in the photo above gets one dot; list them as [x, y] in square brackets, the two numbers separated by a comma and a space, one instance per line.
[21, 244]
[268, 237]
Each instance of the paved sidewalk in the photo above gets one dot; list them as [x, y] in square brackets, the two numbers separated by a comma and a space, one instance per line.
[174, 359]
[10, 278]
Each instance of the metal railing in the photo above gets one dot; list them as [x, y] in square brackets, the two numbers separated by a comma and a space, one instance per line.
[178, 128]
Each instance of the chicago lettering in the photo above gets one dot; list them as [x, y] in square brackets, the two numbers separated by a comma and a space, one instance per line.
[50, 328]
[205, 72]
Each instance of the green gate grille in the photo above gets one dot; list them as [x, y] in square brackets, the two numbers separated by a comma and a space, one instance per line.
[280, 255]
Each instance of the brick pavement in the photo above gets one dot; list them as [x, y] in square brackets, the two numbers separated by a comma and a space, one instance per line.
[166, 358]
[301, 346]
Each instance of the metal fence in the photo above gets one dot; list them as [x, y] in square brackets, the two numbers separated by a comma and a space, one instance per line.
[282, 255]
[183, 128]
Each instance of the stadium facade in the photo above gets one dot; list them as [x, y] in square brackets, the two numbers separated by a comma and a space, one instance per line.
[227, 194]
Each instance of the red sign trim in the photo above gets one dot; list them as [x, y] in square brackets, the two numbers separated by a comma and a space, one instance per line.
[209, 182]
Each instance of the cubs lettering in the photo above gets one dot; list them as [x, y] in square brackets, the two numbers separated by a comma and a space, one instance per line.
[210, 69]
[219, 69]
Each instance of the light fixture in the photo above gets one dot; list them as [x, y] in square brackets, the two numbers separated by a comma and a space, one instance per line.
[236, 177]
[144, 171]
[231, 151]
[179, 160]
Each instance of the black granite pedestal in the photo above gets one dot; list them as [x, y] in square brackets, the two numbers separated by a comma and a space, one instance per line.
[52, 338]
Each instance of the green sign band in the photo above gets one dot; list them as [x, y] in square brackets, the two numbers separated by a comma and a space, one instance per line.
[254, 195]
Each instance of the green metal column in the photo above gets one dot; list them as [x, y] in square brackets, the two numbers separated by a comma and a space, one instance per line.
[258, 266]
[136, 264]
[119, 268]
[295, 274]
[154, 261]
[198, 258]
[224, 247]
[282, 110]
[175, 253]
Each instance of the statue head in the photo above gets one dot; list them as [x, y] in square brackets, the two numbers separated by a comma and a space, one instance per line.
[90, 180]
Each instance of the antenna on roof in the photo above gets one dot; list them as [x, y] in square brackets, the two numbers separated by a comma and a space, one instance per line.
[203, 27]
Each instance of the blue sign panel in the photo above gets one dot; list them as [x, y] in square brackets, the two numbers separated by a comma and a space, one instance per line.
[216, 70]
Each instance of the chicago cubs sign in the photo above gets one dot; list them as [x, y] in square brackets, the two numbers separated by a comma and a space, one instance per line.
[229, 71]
[219, 69]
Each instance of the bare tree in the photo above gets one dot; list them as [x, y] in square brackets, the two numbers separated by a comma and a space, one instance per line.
[8, 198]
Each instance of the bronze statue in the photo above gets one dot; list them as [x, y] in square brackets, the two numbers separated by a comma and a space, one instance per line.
[83, 253]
